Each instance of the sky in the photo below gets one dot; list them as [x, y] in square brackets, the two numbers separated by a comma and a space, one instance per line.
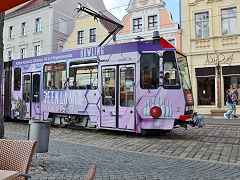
[117, 8]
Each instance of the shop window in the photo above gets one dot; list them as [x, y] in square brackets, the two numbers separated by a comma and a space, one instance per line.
[232, 82]
[206, 85]
[17, 79]
[54, 76]
[206, 90]
[231, 78]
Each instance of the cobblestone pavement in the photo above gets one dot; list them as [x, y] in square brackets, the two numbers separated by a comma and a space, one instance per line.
[212, 152]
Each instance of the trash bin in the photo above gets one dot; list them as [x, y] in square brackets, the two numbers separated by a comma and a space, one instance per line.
[39, 130]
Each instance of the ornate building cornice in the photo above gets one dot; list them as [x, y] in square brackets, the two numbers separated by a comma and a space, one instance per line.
[195, 2]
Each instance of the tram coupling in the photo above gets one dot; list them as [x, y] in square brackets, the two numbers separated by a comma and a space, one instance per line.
[197, 120]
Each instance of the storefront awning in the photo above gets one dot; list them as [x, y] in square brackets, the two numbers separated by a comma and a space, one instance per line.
[8, 4]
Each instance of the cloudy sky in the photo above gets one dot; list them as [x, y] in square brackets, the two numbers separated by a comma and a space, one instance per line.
[117, 8]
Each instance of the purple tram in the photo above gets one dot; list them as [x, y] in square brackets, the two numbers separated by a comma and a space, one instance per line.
[134, 86]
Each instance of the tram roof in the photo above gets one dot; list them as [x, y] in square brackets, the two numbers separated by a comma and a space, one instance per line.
[91, 52]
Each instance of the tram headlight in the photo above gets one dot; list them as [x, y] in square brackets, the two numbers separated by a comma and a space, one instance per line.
[188, 108]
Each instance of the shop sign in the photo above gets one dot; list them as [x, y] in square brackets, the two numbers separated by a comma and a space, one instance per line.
[219, 58]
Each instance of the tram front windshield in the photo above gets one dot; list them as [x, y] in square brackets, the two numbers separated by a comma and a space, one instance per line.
[184, 71]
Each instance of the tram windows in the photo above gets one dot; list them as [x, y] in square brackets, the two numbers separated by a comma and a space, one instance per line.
[26, 88]
[170, 79]
[126, 87]
[108, 88]
[184, 71]
[17, 79]
[36, 88]
[54, 76]
[149, 71]
[83, 75]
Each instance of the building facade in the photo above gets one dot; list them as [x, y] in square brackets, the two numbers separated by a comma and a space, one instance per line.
[37, 28]
[211, 39]
[89, 31]
[145, 17]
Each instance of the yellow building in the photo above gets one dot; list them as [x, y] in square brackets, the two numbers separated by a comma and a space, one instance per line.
[211, 40]
[89, 31]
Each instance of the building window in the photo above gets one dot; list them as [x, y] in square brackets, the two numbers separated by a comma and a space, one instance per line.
[206, 90]
[206, 85]
[152, 22]
[80, 37]
[62, 26]
[60, 45]
[231, 82]
[93, 35]
[10, 32]
[38, 25]
[231, 77]
[10, 55]
[202, 25]
[137, 25]
[229, 21]
[24, 30]
[23, 53]
[37, 50]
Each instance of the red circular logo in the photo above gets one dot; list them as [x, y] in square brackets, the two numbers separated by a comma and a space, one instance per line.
[155, 112]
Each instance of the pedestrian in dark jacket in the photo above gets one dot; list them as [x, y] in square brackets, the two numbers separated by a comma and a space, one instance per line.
[229, 104]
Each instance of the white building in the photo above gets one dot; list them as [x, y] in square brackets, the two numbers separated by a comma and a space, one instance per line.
[37, 28]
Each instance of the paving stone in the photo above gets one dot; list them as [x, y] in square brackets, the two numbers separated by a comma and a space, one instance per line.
[122, 155]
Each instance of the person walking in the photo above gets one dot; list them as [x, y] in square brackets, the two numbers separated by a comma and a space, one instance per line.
[229, 104]
[234, 99]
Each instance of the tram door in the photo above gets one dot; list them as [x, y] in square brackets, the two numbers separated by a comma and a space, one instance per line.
[118, 97]
[31, 94]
